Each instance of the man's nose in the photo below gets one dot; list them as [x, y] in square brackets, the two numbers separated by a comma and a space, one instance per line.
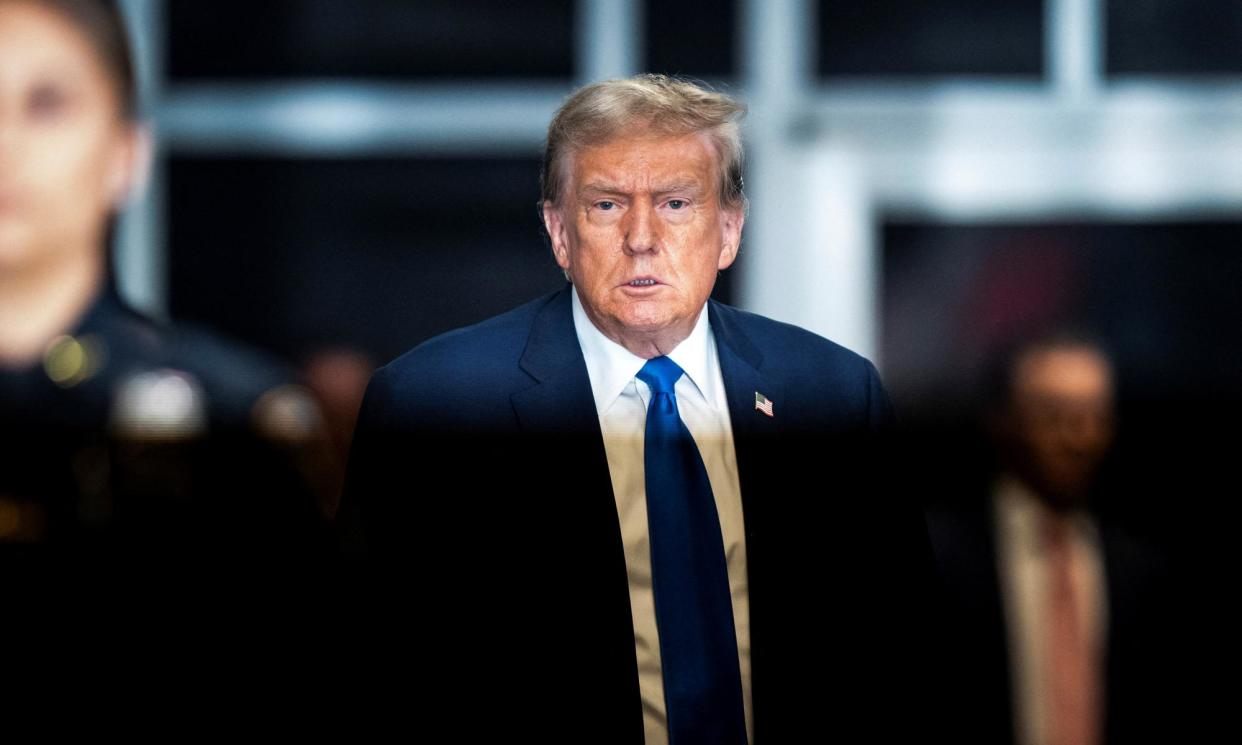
[641, 228]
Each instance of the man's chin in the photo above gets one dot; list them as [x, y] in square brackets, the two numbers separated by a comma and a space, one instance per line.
[1064, 495]
[644, 329]
[645, 325]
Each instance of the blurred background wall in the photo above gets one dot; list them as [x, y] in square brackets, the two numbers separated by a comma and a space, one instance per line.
[928, 178]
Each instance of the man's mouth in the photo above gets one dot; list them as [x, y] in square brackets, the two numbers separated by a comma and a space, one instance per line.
[642, 282]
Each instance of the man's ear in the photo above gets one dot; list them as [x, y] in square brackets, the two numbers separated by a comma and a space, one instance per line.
[554, 223]
[730, 236]
[130, 169]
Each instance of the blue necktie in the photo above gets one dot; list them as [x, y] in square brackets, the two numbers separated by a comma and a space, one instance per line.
[694, 613]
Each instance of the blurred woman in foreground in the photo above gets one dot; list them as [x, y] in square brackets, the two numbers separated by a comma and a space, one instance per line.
[119, 436]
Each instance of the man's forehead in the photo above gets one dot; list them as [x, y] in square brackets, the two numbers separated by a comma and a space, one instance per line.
[1064, 370]
[644, 159]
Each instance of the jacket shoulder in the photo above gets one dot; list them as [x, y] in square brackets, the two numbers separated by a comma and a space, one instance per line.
[470, 369]
[484, 349]
[824, 374]
[794, 349]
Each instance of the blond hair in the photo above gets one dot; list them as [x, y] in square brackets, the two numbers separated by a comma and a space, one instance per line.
[603, 111]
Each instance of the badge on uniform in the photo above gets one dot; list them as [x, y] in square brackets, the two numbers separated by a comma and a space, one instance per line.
[763, 403]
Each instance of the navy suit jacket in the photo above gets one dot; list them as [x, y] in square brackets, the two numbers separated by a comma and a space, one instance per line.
[480, 478]
[1140, 672]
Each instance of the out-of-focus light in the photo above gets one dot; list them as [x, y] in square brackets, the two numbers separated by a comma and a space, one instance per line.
[287, 414]
[10, 519]
[69, 361]
[160, 405]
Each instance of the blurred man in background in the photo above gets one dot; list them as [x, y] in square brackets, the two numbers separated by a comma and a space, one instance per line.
[1056, 613]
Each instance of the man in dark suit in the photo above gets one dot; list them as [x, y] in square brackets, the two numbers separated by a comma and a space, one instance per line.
[599, 549]
[1060, 618]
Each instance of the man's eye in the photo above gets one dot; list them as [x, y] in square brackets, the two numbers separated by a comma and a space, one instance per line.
[676, 203]
[605, 205]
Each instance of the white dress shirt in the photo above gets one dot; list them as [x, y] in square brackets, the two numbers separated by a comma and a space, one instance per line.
[621, 402]
[1024, 575]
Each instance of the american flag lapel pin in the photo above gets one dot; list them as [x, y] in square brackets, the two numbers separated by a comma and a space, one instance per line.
[763, 403]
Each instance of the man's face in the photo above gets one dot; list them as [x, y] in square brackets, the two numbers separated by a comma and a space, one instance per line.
[1062, 416]
[642, 234]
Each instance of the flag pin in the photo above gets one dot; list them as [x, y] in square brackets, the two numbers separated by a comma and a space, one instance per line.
[762, 403]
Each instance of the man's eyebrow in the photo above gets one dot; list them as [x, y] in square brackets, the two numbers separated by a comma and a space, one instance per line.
[603, 187]
[690, 186]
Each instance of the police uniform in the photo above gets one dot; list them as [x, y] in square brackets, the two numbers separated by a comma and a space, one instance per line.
[135, 439]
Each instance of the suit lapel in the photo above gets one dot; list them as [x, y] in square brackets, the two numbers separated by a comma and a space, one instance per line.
[560, 401]
[578, 521]
[742, 368]
[557, 413]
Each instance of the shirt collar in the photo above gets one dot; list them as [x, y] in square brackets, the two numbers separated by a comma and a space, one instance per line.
[1023, 513]
[611, 366]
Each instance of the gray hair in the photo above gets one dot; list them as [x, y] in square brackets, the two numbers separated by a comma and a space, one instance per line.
[603, 111]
